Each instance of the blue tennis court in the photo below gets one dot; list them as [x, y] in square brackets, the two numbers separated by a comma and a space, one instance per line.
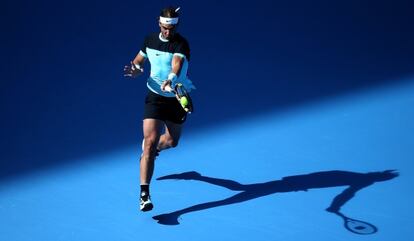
[270, 177]
[313, 141]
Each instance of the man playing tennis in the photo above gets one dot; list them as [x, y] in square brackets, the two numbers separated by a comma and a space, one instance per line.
[168, 53]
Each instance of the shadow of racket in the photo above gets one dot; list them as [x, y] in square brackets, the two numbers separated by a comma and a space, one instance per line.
[357, 226]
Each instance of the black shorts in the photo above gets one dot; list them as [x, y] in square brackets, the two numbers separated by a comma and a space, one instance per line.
[163, 108]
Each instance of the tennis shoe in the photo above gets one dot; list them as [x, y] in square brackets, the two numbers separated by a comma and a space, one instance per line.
[145, 203]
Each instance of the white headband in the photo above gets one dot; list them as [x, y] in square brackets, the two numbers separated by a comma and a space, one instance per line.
[168, 20]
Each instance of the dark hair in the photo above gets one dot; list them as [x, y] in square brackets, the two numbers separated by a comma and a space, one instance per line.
[169, 12]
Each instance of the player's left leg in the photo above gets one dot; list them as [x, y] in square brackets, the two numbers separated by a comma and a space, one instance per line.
[171, 136]
[152, 130]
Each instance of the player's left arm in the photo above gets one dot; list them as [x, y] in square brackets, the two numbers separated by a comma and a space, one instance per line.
[176, 65]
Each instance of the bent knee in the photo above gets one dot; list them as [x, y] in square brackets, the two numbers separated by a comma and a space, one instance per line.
[150, 145]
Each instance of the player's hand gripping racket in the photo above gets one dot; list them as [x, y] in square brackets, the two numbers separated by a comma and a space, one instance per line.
[182, 96]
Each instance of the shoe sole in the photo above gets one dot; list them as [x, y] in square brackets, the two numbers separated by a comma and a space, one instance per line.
[147, 207]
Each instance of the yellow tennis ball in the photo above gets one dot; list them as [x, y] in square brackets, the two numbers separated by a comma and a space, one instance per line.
[184, 101]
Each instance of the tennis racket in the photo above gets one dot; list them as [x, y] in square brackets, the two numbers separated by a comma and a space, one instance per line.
[182, 96]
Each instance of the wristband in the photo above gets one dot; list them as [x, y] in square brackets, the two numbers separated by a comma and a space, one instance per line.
[172, 76]
[138, 67]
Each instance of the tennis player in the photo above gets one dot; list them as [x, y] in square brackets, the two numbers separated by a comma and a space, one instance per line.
[168, 53]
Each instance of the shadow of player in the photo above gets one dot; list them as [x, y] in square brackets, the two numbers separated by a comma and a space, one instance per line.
[355, 182]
